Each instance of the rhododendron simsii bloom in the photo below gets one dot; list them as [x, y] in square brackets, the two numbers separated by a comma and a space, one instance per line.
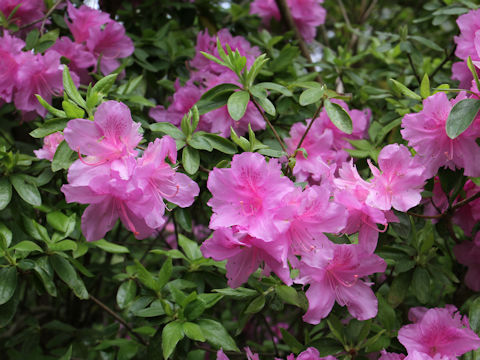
[439, 332]
[50, 144]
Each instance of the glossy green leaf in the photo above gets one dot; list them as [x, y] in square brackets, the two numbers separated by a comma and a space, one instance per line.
[216, 335]
[339, 117]
[5, 192]
[8, 283]
[193, 331]
[67, 273]
[172, 333]
[190, 160]
[237, 104]
[27, 189]
[461, 117]
[111, 247]
[126, 293]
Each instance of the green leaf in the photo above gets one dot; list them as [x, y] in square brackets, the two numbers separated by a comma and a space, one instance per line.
[425, 86]
[172, 333]
[72, 110]
[145, 277]
[183, 218]
[8, 283]
[461, 117]
[5, 192]
[311, 96]
[216, 335]
[5, 236]
[63, 157]
[27, 189]
[126, 293]
[288, 294]
[427, 42]
[221, 144]
[200, 142]
[50, 108]
[237, 293]
[165, 273]
[168, 129]
[111, 247]
[266, 105]
[190, 160]
[474, 315]
[193, 331]
[27, 246]
[67, 273]
[473, 69]
[404, 90]
[399, 288]
[44, 271]
[103, 85]
[49, 127]
[190, 247]
[65, 245]
[421, 284]
[61, 222]
[8, 310]
[71, 89]
[237, 104]
[294, 345]
[256, 305]
[275, 87]
[339, 117]
[68, 354]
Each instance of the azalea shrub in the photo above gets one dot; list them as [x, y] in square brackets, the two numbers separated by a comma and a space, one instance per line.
[266, 179]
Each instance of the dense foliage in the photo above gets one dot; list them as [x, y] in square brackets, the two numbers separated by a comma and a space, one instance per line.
[267, 179]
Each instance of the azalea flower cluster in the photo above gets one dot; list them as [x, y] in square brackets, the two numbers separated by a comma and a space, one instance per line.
[260, 216]
[307, 14]
[309, 354]
[115, 182]
[468, 44]
[438, 333]
[206, 75]
[23, 74]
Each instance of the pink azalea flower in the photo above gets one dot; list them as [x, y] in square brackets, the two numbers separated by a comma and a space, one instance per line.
[244, 254]
[10, 53]
[221, 355]
[440, 332]
[160, 181]
[462, 73]
[251, 355]
[390, 356]
[109, 44]
[311, 213]
[307, 14]
[425, 132]
[38, 74]
[112, 135]
[469, 25]
[208, 44]
[334, 274]
[80, 58]
[27, 12]
[249, 194]
[50, 144]
[399, 181]
[310, 354]
[83, 20]
[467, 253]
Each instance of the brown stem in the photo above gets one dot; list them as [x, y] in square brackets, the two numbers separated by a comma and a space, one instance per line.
[279, 139]
[447, 58]
[42, 19]
[272, 335]
[439, 216]
[287, 17]
[118, 318]
[414, 69]
[466, 201]
[308, 128]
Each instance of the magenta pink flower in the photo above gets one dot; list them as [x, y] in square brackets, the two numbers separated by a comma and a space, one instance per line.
[249, 195]
[244, 254]
[310, 354]
[425, 132]
[390, 356]
[112, 135]
[50, 144]
[469, 25]
[266, 9]
[83, 20]
[334, 274]
[38, 74]
[399, 181]
[10, 53]
[462, 73]
[221, 355]
[440, 332]
[80, 58]
[160, 181]
[467, 253]
[27, 12]
[208, 44]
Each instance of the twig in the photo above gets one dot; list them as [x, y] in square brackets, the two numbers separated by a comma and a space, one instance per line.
[43, 19]
[118, 318]
[287, 17]
[447, 58]
[414, 69]
[270, 331]
[317, 112]
[279, 139]
[466, 201]
[449, 211]
[439, 216]
[367, 12]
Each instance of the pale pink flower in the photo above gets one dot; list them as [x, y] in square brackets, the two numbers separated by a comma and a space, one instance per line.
[10, 53]
[249, 194]
[160, 181]
[50, 144]
[334, 274]
[244, 254]
[27, 12]
[112, 135]
[425, 132]
[399, 181]
[38, 74]
[440, 332]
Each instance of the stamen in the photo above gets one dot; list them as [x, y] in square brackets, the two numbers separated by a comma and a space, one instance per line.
[127, 219]
[87, 163]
